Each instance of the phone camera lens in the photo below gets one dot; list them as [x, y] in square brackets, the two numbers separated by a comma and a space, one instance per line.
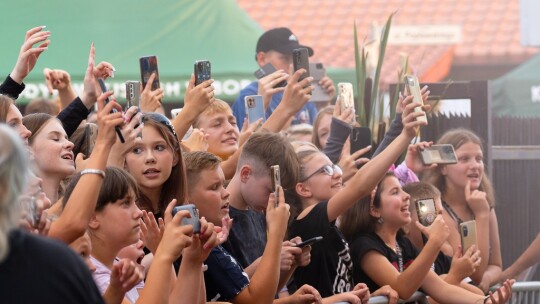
[465, 231]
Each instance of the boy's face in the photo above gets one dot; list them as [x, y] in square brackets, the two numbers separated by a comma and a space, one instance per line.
[279, 60]
[209, 195]
[256, 188]
[222, 131]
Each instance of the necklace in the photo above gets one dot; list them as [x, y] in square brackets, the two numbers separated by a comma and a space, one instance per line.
[452, 213]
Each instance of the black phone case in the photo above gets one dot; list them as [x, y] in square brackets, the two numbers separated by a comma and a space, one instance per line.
[148, 65]
[360, 138]
[203, 71]
[268, 69]
[301, 61]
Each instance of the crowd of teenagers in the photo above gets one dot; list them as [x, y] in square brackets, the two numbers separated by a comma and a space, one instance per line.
[87, 218]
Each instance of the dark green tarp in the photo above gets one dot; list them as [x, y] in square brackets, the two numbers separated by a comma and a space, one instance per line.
[518, 92]
[177, 31]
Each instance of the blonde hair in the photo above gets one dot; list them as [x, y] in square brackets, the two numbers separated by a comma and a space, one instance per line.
[218, 106]
[13, 174]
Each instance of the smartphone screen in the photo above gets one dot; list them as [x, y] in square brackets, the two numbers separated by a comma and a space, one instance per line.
[301, 61]
[425, 208]
[255, 108]
[148, 65]
[202, 70]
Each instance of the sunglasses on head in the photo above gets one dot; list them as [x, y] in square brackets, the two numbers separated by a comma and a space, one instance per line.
[160, 118]
[326, 169]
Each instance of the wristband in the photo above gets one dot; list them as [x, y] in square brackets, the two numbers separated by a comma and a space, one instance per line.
[93, 171]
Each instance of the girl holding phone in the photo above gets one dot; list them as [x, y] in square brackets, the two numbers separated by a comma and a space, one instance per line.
[467, 194]
[382, 255]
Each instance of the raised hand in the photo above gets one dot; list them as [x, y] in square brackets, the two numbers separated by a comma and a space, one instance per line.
[464, 265]
[438, 231]
[56, 80]
[289, 254]
[413, 159]
[247, 130]
[106, 120]
[152, 230]
[202, 243]
[176, 236]
[131, 130]
[328, 85]
[346, 116]
[90, 91]
[267, 86]
[28, 55]
[503, 293]
[199, 97]
[350, 163]
[476, 200]
[297, 93]
[197, 141]
[410, 124]
[277, 214]
[223, 231]
[151, 100]
[125, 275]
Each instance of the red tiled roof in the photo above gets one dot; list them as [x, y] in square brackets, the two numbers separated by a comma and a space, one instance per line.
[490, 30]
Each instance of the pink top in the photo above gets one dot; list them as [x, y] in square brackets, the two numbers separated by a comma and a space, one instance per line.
[102, 277]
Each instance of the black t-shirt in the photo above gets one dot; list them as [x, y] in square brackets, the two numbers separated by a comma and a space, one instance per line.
[371, 241]
[442, 263]
[224, 278]
[40, 270]
[247, 237]
[330, 269]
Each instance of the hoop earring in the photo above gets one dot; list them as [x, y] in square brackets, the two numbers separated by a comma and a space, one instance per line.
[380, 220]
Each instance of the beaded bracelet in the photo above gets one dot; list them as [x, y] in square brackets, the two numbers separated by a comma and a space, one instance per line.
[93, 171]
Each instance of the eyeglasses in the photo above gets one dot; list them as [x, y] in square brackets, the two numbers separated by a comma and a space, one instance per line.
[161, 119]
[326, 169]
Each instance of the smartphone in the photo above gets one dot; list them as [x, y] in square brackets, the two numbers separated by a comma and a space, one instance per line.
[193, 220]
[276, 180]
[311, 241]
[255, 108]
[202, 70]
[413, 88]
[149, 66]
[425, 208]
[301, 61]
[318, 71]
[439, 154]
[117, 128]
[360, 138]
[467, 230]
[133, 93]
[268, 69]
[175, 112]
[346, 95]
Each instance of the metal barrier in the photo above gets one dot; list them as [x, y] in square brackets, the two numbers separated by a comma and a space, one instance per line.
[417, 297]
[525, 293]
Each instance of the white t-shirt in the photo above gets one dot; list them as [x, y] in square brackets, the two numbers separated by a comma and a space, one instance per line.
[102, 277]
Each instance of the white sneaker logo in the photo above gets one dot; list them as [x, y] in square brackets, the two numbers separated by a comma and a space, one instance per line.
[292, 37]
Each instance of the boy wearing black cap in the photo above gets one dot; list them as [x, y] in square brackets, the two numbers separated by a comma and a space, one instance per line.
[276, 46]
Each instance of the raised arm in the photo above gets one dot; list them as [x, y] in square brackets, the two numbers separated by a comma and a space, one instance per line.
[196, 100]
[365, 180]
[264, 282]
[297, 94]
[74, 219]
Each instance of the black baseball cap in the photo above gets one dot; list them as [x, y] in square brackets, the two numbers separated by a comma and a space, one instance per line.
[280, 39]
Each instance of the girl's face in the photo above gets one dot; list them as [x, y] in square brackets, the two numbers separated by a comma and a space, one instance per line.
[209, 195]
[222, 131]
[14, 120]
[394, 208]
[470, 167]
[322, 185]
[53, 151]
[120, 221]
[151, 159]
[323, 130]
[83, 247]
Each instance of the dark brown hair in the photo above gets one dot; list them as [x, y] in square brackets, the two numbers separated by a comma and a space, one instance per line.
[42, 105]
[35, 122]
[358, 219]
[116, 185]
[175, 187]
